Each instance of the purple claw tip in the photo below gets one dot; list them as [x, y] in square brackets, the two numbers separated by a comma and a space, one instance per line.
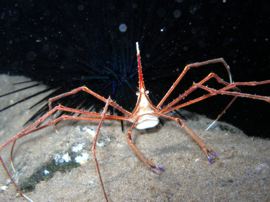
[211, 160]
[161, 168]
[212, 156]
[158, 169]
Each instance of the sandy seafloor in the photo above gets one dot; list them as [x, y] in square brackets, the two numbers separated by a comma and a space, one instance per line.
[242, 172]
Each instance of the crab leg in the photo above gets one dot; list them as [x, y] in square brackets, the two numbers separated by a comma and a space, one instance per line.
[94, 145]
[194, 65]
[89, 91]
[210, 154]
[150, 164]
[212, 92]
[171, 107]
[38, 125]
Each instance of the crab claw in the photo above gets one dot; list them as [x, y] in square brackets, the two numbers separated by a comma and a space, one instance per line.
[158, 169]
[212, 156]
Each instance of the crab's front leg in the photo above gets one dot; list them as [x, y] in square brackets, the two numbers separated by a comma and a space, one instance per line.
[210, 153]
[158, 169]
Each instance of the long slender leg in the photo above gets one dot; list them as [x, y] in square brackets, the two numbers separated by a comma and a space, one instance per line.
[212, 92]
[50, 123]
[203, 97]
[94, 146]
[237, 94]
[246, 83]
[65, 109]
[171, 105]
[38, 125]
[150, 164]
[9, 175]
[25, 133]
[195, 65]
[89, 91]
[210, 154]
[221, 113]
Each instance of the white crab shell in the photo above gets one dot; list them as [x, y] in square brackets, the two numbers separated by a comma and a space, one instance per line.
[146, 120]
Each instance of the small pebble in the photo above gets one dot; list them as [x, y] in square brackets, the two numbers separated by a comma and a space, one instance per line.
[89, 130]
[59, 159]
[66, 157]
[3, 188]
[46, 172]
[77, 148]
[100, 144]
[82, 159]
[197, 159]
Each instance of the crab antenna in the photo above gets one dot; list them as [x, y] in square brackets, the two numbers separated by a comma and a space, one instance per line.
[140, 73]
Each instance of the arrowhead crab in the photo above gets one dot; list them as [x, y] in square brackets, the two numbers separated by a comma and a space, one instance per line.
[145, 114]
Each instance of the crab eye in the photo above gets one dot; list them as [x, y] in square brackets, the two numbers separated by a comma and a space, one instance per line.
[147, 92]
[137, 93]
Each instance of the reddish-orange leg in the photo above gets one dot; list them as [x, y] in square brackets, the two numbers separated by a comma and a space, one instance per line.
[40, 124]
[62, 109]
[94, 145]
[89, 91]
[201, 65]
[150, 164]
[228, 86]
[211, 155]
[191, 66]
[144, 115]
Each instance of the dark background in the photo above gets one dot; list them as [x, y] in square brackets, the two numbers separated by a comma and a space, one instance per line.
[65, 44]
